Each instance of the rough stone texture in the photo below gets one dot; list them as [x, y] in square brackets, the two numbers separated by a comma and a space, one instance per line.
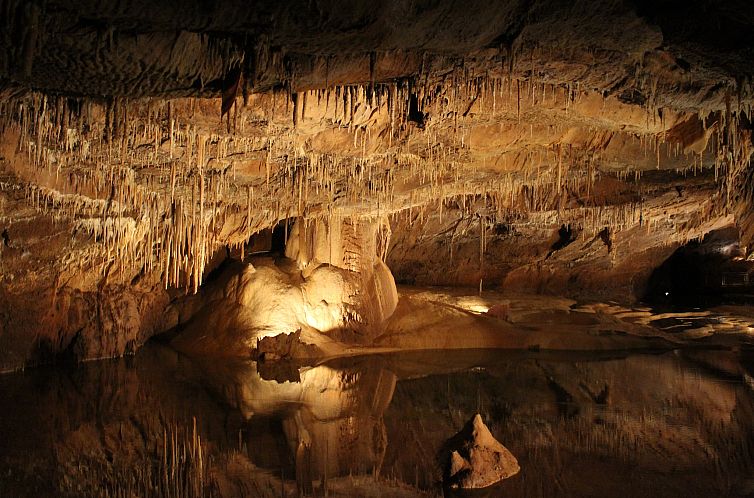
[602, 44]
[50, 306]
[476, 458]
[608, 262]
[262, 300]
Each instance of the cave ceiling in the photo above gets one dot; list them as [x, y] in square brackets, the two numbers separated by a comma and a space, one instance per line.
[153, 133]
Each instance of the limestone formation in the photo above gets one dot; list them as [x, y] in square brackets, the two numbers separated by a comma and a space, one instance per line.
[329, 290]
[476, 458]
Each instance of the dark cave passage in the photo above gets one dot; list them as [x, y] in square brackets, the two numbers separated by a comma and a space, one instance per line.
[709, 272]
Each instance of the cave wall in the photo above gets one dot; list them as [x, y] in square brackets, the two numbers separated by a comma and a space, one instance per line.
[467, 246]
[53, 311]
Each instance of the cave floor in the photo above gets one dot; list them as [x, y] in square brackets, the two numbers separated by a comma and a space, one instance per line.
[552, 322]
[453, 318]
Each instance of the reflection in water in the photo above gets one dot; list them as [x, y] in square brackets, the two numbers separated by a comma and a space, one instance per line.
[331, 418]
[672, 424]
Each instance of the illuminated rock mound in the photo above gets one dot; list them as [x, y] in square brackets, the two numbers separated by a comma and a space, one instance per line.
[323, 304]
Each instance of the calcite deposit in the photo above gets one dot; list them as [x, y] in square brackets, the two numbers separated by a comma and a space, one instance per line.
[476, 459]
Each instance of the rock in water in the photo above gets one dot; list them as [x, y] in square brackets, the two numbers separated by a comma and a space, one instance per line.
[475, 459]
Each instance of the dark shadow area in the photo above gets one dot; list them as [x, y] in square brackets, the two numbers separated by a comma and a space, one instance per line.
[566, 236]
[703, 273]
[414, 113]
[280, 237]
[502, 488]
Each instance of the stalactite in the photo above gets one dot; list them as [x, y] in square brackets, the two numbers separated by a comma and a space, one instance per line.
[180, 196]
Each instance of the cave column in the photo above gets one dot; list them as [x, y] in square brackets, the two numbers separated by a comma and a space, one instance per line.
[352, 244]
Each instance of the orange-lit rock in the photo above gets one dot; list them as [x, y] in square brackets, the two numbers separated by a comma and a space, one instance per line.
[477, 459]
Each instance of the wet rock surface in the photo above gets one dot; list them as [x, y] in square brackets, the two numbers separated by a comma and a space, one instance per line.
[475, 459]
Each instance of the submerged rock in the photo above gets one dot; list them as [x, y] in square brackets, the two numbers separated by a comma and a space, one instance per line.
[476, 459]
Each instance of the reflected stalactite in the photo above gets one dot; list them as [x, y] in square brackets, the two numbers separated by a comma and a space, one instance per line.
[332, 419]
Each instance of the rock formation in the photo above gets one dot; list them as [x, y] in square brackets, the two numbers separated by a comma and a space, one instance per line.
[476, 459]
[329, 288]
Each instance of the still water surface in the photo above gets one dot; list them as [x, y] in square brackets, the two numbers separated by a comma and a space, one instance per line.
[677, 423]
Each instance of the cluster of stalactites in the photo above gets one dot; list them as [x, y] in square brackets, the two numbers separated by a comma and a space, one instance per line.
[159, 192]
